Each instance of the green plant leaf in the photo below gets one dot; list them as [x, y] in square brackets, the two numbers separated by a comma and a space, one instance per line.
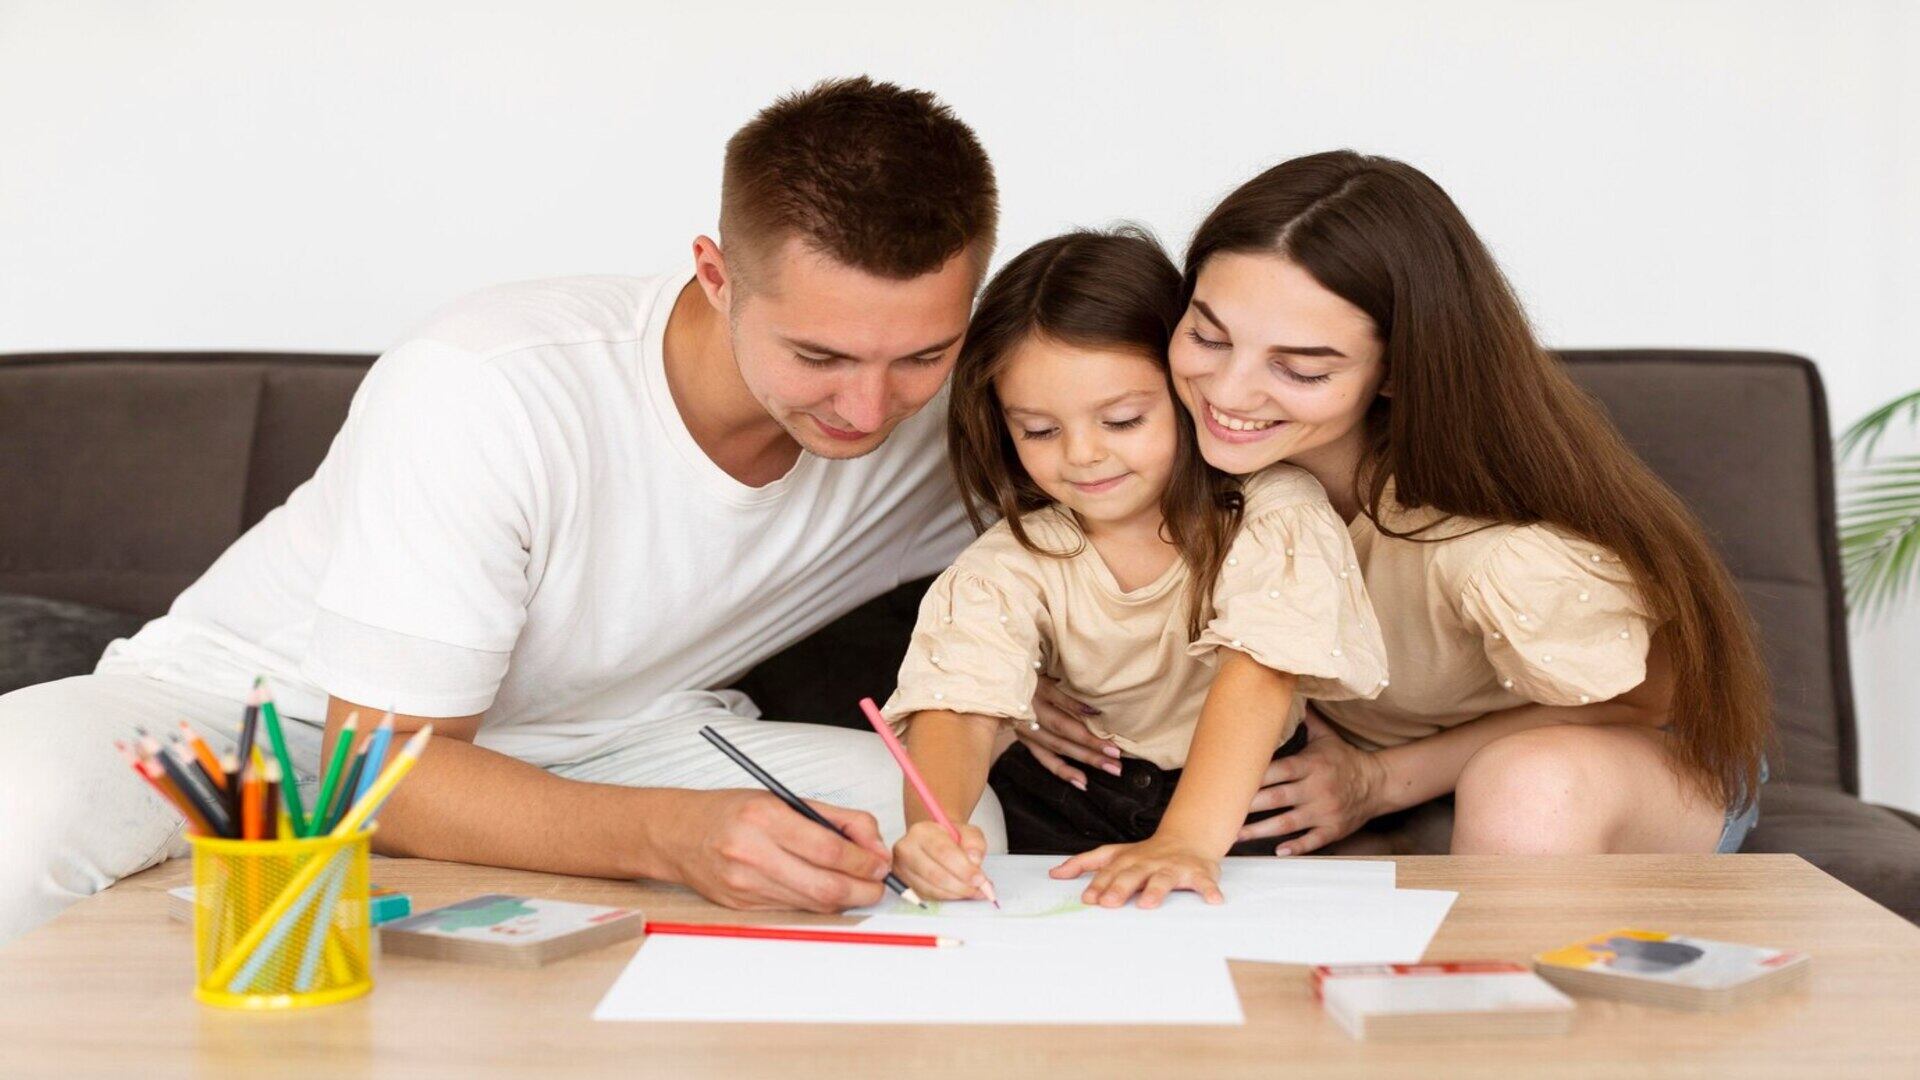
[1866, 432]
[1880, 540]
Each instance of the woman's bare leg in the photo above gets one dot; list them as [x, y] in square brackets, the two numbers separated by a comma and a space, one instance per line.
[1581, 789]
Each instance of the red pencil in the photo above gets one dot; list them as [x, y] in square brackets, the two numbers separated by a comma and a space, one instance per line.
[913, 777]
[844, 937]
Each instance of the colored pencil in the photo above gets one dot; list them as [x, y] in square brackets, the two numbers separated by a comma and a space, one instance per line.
[270, 716]
[191, 762]
[770, 933]
[376, 753]
[302, 885]
[342, 746]
[932, 804]
[204, 754]
[282, 824]
[212, 810]
[253, 804]
[192, 777]
[250, 720]
[167, 791]
[343, 798]
[767, 781]
[231, 766]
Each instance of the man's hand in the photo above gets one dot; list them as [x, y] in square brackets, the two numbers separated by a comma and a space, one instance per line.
[748, 850]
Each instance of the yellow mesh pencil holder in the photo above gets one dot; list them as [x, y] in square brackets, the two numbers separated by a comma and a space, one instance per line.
[281, 924]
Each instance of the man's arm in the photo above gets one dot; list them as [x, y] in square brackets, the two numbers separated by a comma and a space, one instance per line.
[742, 849]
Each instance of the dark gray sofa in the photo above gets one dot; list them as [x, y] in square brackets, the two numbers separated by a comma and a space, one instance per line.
[126, 474]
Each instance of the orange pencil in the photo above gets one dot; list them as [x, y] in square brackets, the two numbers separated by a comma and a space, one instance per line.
[253, 804]
[204, 754]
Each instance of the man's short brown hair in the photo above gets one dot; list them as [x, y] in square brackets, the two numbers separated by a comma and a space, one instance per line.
[880, 178]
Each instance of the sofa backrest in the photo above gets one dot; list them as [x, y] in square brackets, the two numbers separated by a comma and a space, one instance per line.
[126, 474]
[1743, 437]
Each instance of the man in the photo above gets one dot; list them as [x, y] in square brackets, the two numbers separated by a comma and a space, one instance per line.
[558, 513]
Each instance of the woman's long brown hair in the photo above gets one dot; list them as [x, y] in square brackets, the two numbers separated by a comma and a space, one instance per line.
[1483, 422]
[1093, 290]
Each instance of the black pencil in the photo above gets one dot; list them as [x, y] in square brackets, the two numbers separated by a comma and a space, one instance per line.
[248, 721]
[207, 802]
[767, 781]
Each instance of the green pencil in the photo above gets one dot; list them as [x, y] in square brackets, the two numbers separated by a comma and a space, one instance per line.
[291, 787]
[341, 747]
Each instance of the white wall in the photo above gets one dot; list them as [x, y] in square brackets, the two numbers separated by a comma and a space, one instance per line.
[256, 174]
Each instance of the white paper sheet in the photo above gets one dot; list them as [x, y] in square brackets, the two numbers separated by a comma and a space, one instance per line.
[1307, 925]
[1025, 889]
[687, 979]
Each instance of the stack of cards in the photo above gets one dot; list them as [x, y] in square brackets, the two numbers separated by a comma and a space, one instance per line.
[1672, 970]
[1425, 1001]
[510, 931]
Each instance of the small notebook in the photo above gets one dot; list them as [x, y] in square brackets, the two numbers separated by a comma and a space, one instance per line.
[510, 931]
[1672, 969]
[1425, 1001]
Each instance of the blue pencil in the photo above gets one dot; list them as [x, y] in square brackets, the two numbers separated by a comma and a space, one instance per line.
[376, 756]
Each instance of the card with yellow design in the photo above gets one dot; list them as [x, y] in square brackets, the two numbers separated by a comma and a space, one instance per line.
[1672, 969]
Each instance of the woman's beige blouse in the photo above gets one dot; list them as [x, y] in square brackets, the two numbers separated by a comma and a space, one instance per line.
[1479, 619]
[1290, 595]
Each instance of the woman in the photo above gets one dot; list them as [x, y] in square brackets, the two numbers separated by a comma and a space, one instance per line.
[1568, 658]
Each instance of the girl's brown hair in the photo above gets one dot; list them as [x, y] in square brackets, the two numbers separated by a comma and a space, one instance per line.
[1485, 423]
[1093, 290]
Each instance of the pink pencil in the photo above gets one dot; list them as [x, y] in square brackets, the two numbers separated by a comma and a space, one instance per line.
[913, 777]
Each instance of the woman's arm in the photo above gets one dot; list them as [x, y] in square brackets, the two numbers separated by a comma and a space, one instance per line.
[1332, 788]
[1412, 773]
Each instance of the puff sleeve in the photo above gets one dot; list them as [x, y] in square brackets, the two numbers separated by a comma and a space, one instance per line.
[978, 643]
[1561, 620]
[1290, 595]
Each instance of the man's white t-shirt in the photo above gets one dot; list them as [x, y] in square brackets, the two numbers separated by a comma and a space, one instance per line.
[515, 521]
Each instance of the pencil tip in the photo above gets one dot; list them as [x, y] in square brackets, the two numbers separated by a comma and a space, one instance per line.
[912, 897]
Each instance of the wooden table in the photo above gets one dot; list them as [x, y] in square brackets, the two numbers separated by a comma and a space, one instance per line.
[106, 989]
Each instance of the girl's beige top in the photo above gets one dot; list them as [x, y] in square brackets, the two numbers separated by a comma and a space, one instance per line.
[1291, 596]
[1482, 617]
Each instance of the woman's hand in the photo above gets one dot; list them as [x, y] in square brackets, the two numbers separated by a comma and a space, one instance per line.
[1153, 868]
[1059, 735]
[1332, 787]
[936, 867]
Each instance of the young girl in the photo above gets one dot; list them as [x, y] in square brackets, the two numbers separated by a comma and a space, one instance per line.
[1191, 613]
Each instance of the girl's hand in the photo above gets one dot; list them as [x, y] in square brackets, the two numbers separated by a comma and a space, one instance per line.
[1153, 868]
[1332, 787]
[936, 867]
[1061, 735]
